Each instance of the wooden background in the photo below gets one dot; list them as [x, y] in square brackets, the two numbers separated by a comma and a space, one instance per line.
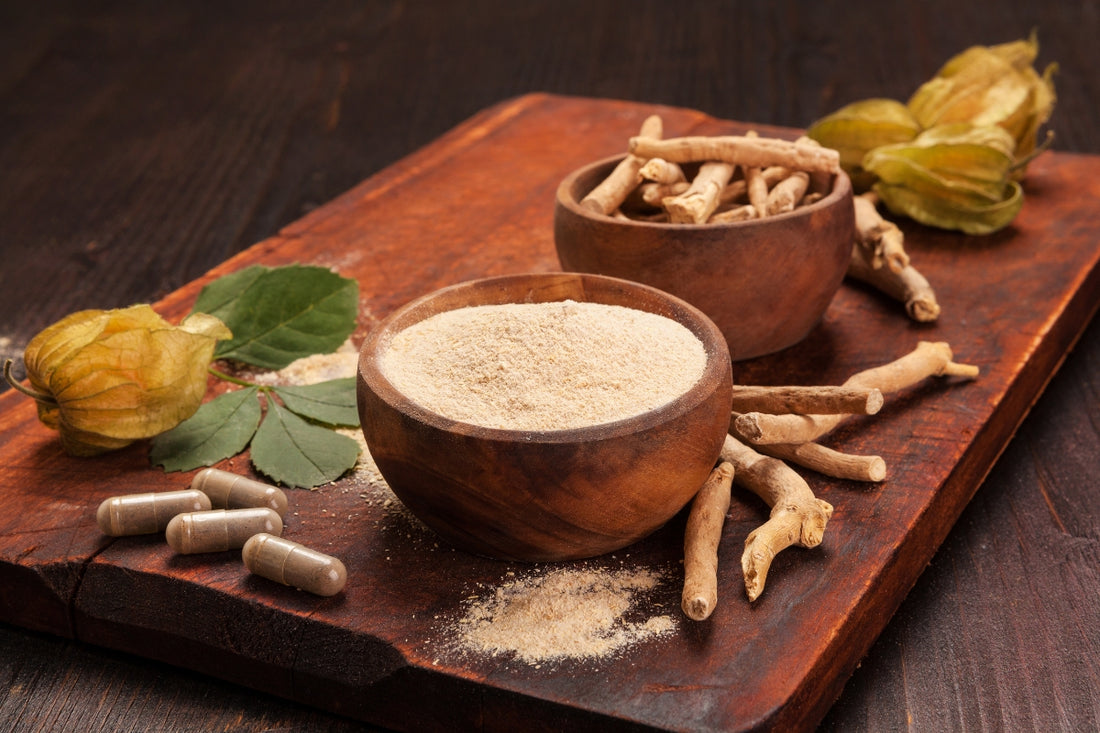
[142, 144]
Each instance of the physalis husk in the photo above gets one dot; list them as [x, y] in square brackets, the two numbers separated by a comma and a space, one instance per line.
[104, 379]
[953, 176]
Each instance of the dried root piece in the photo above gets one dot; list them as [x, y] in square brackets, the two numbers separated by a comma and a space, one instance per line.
[613, 190]
[807, 400]
[797, 516]
[829, 462]
[659, 170]
[880, 260]
[881, 240]
[695, 205]
[701, 538]
[737, 190]
[759, 152]
[653, 193]
[756, 188]
[738, 213]
[787, 194]
[906, 285]
[928, 359]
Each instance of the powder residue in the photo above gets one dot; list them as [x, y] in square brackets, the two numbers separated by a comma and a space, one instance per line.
[576, 613]
[339, 364]
[543, 366]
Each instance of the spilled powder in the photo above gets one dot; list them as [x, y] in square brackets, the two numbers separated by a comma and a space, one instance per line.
[339, 364]
[562, 614]
[543, 366]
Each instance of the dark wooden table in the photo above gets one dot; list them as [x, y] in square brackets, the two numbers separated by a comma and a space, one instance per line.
[143, 143]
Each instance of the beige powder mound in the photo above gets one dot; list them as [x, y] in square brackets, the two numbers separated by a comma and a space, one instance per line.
[544, 366]
[562, 614]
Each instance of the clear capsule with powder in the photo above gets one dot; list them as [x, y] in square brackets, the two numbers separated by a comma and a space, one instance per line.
[218, 530]
[293, 564]
[232, 491]
[147, 513]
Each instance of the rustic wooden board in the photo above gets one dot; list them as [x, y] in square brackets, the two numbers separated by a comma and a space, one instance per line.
[478, 202]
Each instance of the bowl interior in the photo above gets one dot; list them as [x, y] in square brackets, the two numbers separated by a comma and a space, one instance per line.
[546, 288]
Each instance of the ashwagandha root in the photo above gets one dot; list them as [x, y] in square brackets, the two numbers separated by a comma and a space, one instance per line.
[653, 193]
[756, 188]
[880, 260]
[698, 202]
[928, 359]
[701, 538]
[906, 285]
[828, 462]
[737, 190]
[759, 152]
[882, 242]
[613, 190]
[786, 194]
[797, 516]
[738, 213]
[807, 400]
[661, 171]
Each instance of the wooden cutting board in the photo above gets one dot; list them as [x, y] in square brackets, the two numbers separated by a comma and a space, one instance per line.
[478, 202]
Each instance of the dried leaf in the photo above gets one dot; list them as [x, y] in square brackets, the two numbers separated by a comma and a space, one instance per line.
[220, 429]
[293, 452]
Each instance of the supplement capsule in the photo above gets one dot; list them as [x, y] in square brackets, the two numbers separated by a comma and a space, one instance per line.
[233, 491]
[219, 529]
[132, 514]
[290, 563]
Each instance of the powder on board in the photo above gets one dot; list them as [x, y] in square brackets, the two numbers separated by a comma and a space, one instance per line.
[566, 613]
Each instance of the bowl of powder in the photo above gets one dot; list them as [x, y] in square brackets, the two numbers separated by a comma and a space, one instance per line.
[766, 281]
[547, 416]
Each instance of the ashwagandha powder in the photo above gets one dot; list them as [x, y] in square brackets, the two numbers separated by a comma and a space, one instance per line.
[543, 366]
[562, 614]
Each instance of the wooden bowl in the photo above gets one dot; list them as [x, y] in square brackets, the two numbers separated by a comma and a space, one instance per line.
[765, 282]
[551, 495]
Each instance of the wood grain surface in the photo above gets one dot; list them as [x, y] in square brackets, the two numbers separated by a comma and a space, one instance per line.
[370, 652]
[145, 144]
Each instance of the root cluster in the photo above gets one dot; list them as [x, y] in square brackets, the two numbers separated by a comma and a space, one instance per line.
[773, 428]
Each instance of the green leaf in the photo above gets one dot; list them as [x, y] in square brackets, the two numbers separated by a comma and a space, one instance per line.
[281, 314]
[293, 452]
[218, 297]
[332, 402]
[221, 428]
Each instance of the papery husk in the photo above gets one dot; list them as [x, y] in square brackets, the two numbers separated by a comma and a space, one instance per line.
[991, 85]
[106, 378]
[944, 213]
[857, 128]
[954, 177]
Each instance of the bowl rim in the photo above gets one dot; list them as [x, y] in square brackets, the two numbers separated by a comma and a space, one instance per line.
[842, 187]
[714, 344]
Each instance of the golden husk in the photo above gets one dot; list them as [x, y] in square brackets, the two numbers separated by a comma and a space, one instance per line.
[107, 378]
[954, 176]
[857, 128]
[991, 85]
